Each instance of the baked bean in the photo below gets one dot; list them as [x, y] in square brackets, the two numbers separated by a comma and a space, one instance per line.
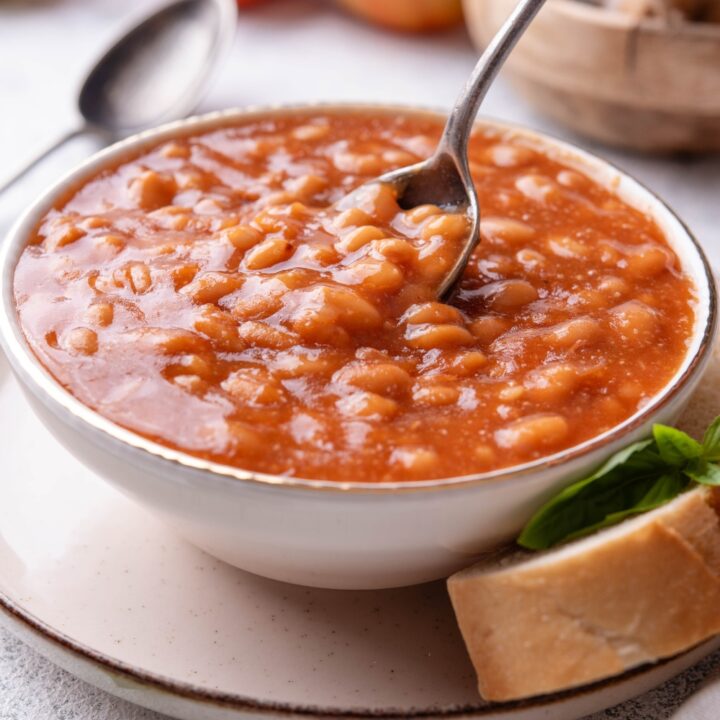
[417, 461]
[269, 252]
[173, 218]
[183, 274]
[94, 222]
[192, 180]
[531, 260]
[138, 275]
[82, 341]
[381, 378]
[441, 336]
[191, 383]
[630, 391]
[167, 341]
[263, 335]
[209, 287]
[468, 362]
[592, 299]
[368, 404]
[351, 310]
[208, 206]
[552, 383]
[318, 255]
[281, 199]
[244, 237]
[451, 227]
[422, 212]
[538, 188]
[614, 287]
[152, 190]
[432, 312]
[100, 314]
[436, 395]
[359, 237]
[510, 393]
[311, 132]
[111, 242]
[572, 179]
[380, 202]
[352, 217]
[175, 150]
[399, 158]
[62, 235]
[570, 333]
[508, 294]
[512, 231]
[505, 155]
[294, 365]
[567, 247]
[533, 433]
[485, 455]
[395, 249]
[488, 328]
[647, 261]
[307, 186]
[257, 306]
[220, 328]
[359, 163]
[254, 386]
[194, 365]
[634, 320]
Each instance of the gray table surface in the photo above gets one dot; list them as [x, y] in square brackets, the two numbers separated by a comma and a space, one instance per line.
[288, 51]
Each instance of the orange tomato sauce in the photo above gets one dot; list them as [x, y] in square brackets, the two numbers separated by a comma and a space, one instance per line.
[217, 295]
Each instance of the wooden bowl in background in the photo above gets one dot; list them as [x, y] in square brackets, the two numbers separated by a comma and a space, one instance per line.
[641, 85]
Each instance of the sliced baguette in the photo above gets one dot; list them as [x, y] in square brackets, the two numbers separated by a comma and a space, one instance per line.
[644, 590]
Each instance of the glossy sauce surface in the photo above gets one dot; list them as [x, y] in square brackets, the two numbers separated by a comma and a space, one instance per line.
[220, 294]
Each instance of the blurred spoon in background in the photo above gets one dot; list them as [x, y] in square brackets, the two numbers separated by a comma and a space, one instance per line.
[156, 72]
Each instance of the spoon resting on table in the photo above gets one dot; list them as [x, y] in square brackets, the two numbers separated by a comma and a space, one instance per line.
[444, 179]
[154, 73]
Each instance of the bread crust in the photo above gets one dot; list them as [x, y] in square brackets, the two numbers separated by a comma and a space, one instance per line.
[543, 622]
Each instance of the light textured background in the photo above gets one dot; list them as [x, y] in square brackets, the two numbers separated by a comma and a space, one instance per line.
[291, 50]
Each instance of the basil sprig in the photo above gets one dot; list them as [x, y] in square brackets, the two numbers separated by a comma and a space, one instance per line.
[639, 478]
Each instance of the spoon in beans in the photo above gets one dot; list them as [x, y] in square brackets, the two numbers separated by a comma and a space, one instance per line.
[154, 73]
[444, 179]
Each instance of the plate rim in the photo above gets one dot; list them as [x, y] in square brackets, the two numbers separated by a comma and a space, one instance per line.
[15, 614]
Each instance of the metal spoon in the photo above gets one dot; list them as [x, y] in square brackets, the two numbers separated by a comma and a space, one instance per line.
[155, 72]
[444, 179]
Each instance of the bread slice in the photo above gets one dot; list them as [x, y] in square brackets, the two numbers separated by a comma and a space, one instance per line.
[649, 588]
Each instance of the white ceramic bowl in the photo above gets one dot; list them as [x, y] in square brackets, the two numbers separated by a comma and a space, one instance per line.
[329, 534]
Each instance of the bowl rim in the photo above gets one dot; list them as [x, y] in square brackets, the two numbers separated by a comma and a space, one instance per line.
[42, 383]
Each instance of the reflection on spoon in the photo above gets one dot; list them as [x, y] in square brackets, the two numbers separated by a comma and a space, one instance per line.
[154, 73]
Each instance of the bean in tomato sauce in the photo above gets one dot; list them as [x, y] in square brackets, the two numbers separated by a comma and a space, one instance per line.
[217, 294]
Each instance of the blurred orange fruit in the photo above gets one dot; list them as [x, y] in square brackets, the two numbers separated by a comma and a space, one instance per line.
[407, 15]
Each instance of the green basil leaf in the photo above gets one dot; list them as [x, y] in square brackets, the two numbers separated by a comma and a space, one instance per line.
[621, 484]
[711, 441]
[675, 446]
[667, 487]
[702, 471]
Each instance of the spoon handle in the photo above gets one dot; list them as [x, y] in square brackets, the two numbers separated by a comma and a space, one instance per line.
[459, 125]
[40, 155]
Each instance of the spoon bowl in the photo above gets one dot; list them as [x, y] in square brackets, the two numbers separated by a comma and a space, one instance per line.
[157, 70]
[154, 73]
[444, 179]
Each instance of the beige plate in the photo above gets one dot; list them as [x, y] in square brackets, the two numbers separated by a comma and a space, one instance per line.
[107, 592]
